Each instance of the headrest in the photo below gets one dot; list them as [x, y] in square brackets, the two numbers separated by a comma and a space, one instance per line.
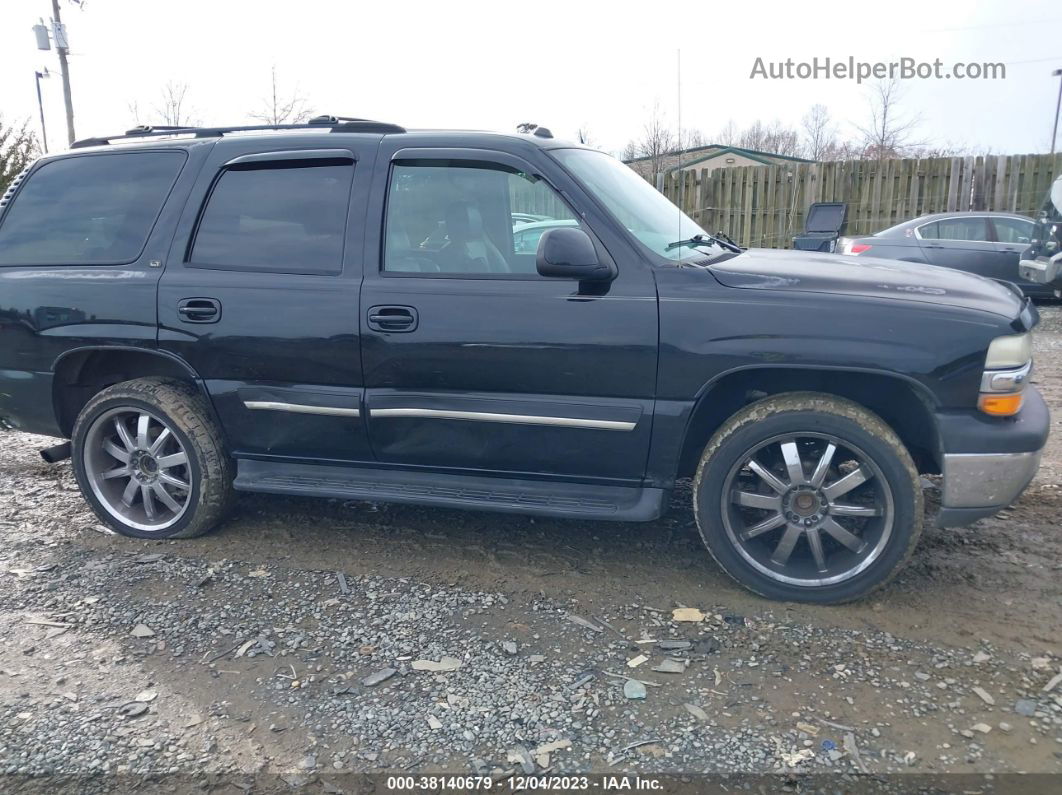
[463, 222]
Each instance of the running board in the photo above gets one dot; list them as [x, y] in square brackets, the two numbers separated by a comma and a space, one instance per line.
[538, 497]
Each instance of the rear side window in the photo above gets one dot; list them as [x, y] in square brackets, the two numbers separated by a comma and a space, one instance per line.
[88, 210]
[283, 218]
[955, 229]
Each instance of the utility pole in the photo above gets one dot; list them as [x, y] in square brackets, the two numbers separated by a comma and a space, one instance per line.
[1058, 106]
[40, 107]
[59, 33]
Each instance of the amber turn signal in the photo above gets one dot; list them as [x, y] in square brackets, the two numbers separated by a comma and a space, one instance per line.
[1000, 405]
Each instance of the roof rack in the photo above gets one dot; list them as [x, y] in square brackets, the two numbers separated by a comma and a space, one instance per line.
[331, 123]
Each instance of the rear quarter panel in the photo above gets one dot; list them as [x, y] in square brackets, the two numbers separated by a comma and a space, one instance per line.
[46, 311]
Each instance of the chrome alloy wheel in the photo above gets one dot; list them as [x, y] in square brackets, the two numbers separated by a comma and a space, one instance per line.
[137, 468]
[807, 509]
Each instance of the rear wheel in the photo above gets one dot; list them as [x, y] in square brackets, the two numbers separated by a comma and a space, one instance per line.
[807, 497]
[149, 459]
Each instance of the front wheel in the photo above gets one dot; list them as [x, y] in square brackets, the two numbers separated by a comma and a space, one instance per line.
[150, 460]
[809, 498]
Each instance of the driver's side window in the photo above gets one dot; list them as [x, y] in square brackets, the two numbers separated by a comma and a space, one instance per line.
[465, 218]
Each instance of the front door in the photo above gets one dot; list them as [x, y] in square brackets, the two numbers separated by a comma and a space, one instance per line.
[1012, 238]
[472, 360]
[260, 295]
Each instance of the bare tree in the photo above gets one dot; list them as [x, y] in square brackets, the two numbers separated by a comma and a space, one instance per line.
[18, 148]
[693, 138]
[886, 132]
[173, 108]
[281, 108]
[774, 138]
[945, 149]
[583, 136]
[728, 136]
[656, 143]
[820, 134]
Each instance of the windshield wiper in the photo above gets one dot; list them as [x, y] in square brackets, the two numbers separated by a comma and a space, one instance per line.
[705, 240]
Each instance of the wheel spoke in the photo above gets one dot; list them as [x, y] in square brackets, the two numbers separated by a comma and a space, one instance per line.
[768, 524]
[165, 477]
[856, 477]
[815, 542]
[115, 473]
[165, 498]
[785, 546]
[850, 540]
[123, 434]
[843, 509]
[142, 440]
[793, 465]
[130, 492]
[175, 460]
[767, 502]
[160, 440]
[149, 502]
[768, 477]
[821, 468]
[115, 451]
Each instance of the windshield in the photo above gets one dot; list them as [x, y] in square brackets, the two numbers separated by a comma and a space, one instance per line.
[648, 215]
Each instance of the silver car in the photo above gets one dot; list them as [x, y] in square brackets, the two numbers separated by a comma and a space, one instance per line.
[986, 243]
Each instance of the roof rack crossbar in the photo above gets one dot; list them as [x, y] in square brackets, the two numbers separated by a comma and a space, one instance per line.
[332, 123]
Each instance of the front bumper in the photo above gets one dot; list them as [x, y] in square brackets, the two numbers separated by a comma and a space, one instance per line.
[987, 465]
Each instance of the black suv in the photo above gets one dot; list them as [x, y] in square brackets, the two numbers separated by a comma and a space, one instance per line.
[338, 309]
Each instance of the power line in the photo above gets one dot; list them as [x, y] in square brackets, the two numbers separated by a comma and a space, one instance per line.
[992, 25]
[1033, 60]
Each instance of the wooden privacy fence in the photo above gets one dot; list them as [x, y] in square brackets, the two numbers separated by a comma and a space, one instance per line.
[765, 206]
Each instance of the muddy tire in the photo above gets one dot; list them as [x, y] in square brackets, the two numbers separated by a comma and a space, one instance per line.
[150, 460]
[807, 497]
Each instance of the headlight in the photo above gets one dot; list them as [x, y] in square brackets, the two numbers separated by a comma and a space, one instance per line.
[1010, 351]
[1007, 369]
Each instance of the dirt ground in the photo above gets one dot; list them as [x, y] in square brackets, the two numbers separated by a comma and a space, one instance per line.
[979, 607]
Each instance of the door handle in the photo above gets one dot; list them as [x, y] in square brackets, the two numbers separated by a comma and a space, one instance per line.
[393, 318]
[199, 310]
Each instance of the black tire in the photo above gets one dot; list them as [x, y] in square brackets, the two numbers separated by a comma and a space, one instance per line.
[179, 407]
[721, 512]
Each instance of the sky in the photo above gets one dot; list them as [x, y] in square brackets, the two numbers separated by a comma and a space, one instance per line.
[601, 66]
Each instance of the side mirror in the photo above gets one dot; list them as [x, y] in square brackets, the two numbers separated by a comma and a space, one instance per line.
[569, 253]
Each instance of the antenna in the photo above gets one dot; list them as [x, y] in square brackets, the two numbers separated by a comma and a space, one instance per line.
[678, 162]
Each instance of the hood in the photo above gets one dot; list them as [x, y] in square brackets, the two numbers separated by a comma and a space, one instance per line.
[804, 271]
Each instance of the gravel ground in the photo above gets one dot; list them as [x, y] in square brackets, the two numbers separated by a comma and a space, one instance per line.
[311, 639]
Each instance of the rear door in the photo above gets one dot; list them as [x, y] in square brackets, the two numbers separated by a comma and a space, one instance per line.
[962, 242]
[260, 294]
[472, 360]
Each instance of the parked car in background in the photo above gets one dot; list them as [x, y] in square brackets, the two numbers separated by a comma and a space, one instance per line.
[527, 218]
[526, 236]
[985, 243]
[438, 238]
